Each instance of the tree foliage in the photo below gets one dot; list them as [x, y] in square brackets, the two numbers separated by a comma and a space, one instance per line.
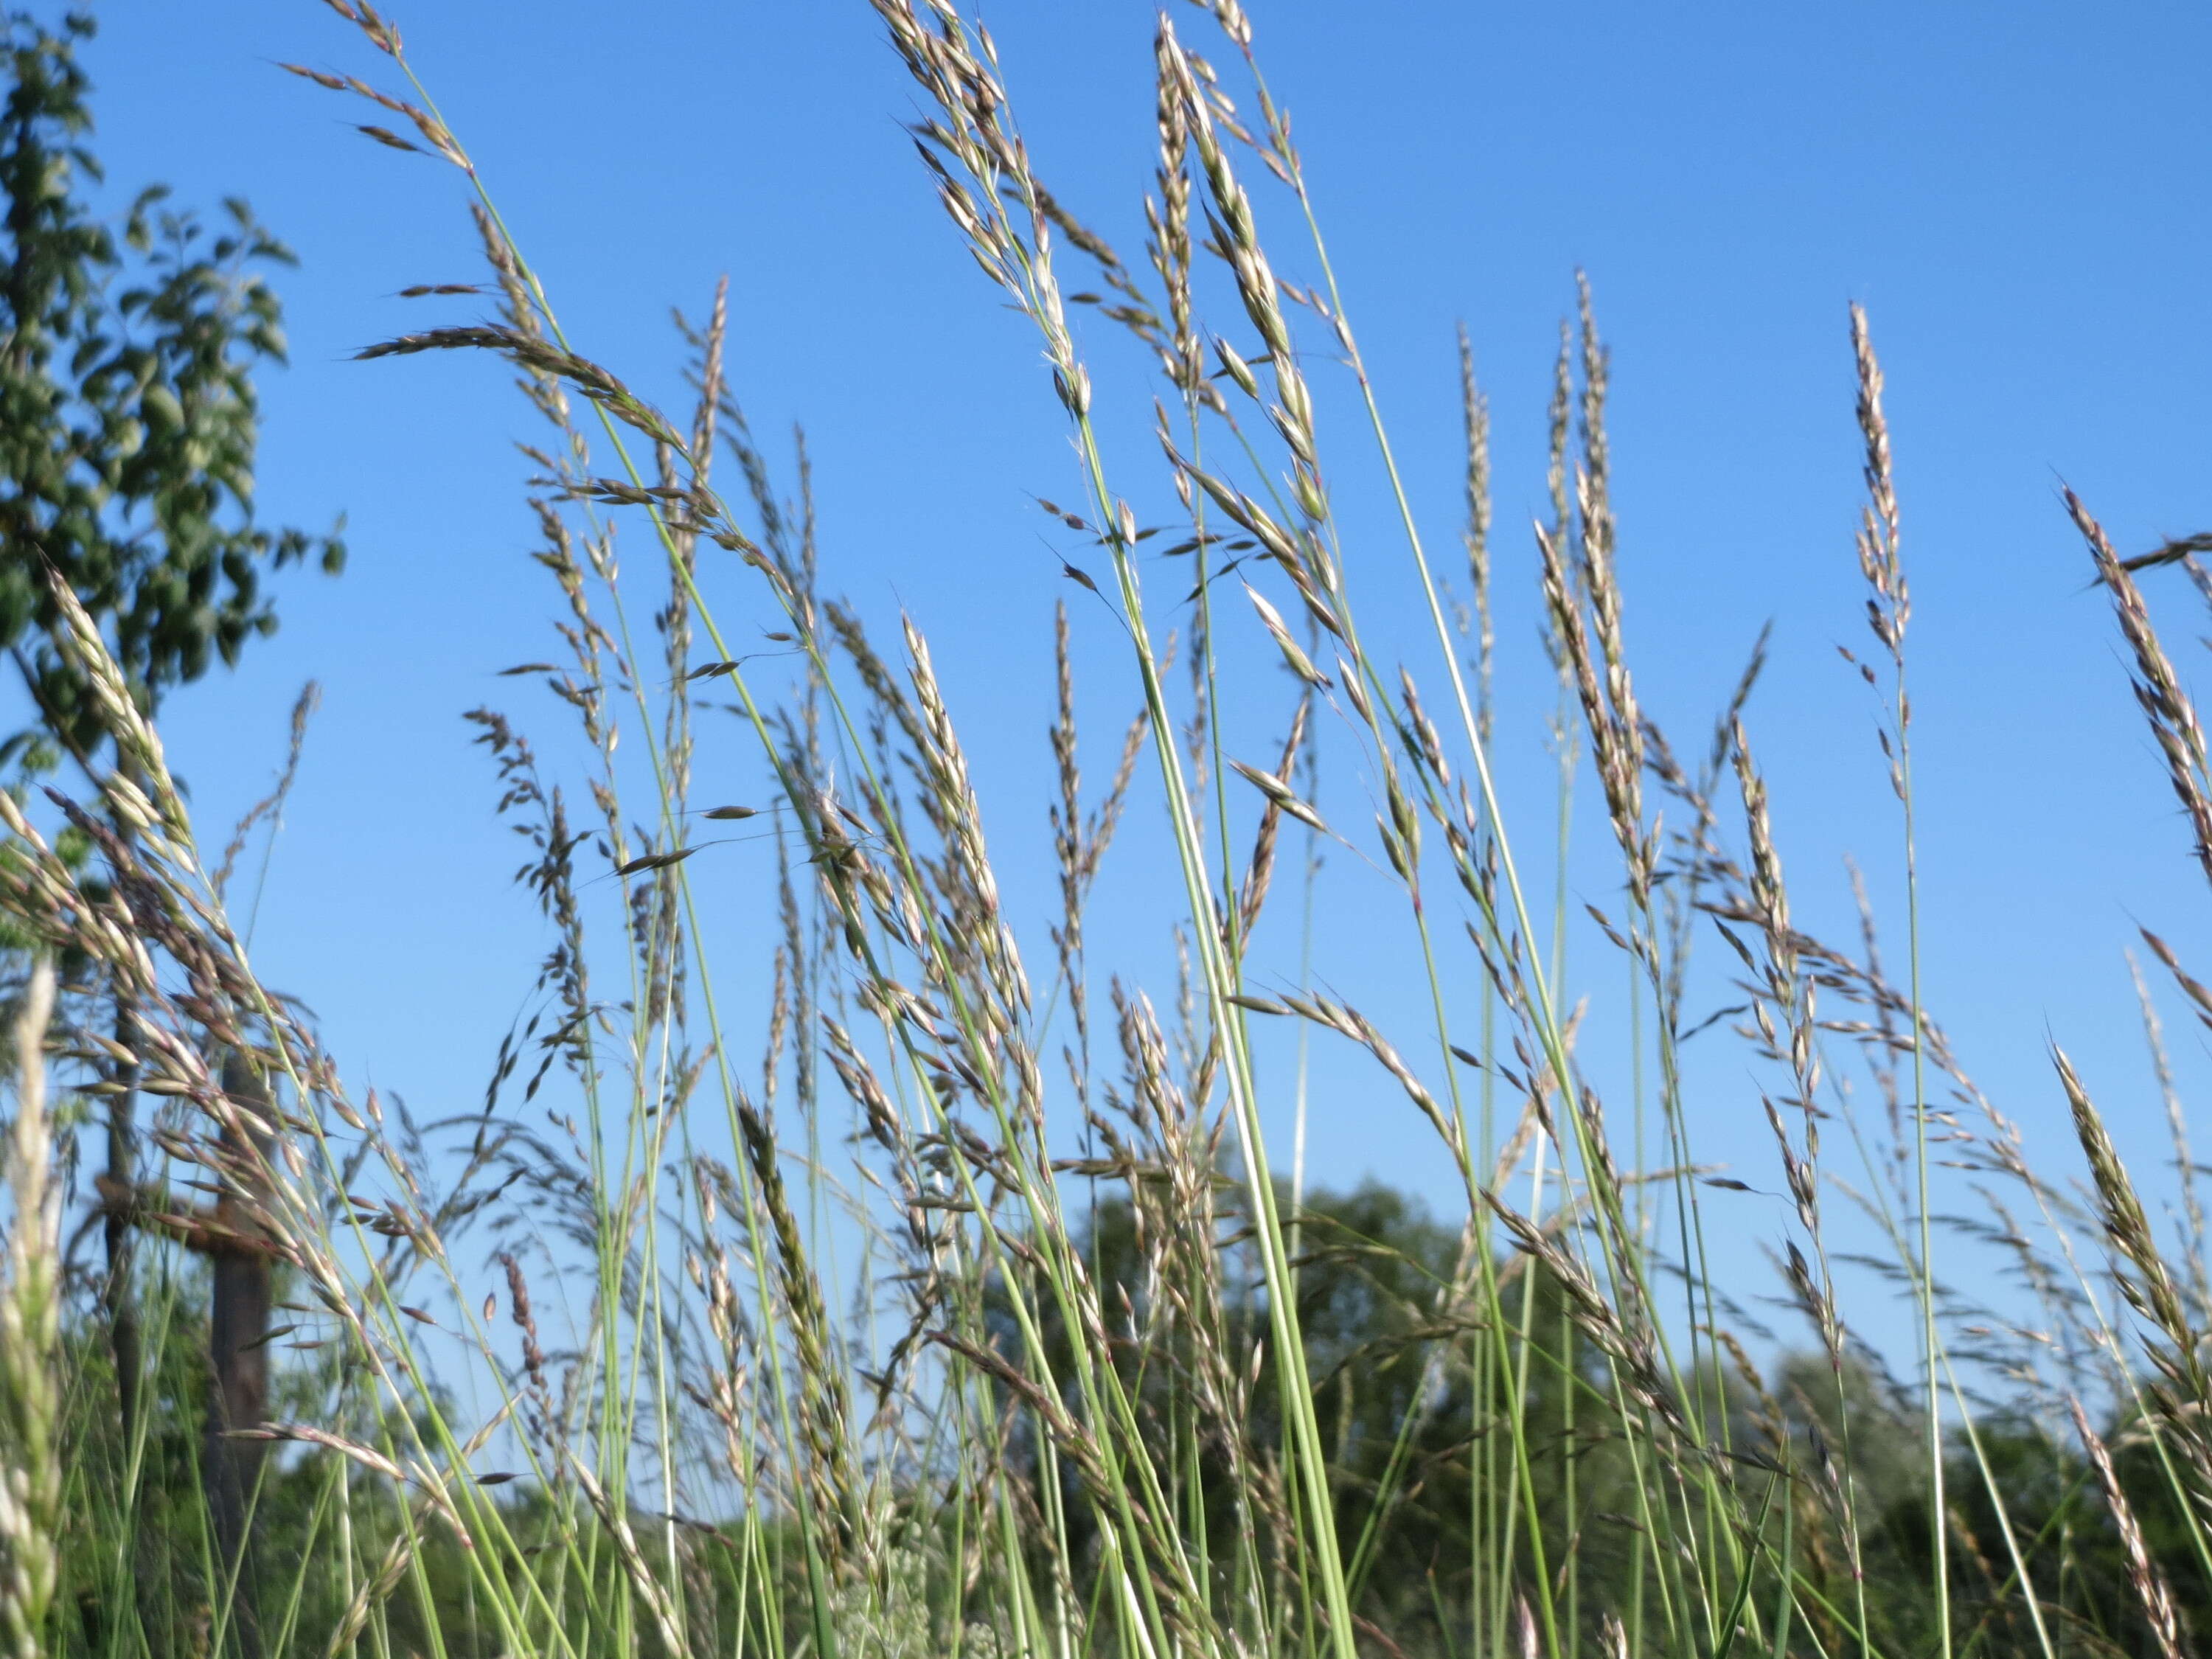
[128, 415]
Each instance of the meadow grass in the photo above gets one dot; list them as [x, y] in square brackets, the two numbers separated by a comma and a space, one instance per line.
[974, 1312]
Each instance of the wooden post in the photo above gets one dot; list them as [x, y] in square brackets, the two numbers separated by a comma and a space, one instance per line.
[238, 1352]
[123, 1172]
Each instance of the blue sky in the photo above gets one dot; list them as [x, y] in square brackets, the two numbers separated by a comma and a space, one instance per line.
[2017, 192]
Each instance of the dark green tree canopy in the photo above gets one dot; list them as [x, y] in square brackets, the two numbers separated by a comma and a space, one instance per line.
[128, 416]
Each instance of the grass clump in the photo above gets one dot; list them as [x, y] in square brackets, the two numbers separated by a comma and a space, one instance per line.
[955, 1305]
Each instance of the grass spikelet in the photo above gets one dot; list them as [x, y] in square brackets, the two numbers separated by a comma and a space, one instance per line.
[31, 1521]
[2168, 707]
[2150, 1587]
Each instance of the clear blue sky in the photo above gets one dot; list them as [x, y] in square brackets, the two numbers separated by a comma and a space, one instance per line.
[2018, 192]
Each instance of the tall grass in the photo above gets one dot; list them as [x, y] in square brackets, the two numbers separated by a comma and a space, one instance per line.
[948, 1306]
